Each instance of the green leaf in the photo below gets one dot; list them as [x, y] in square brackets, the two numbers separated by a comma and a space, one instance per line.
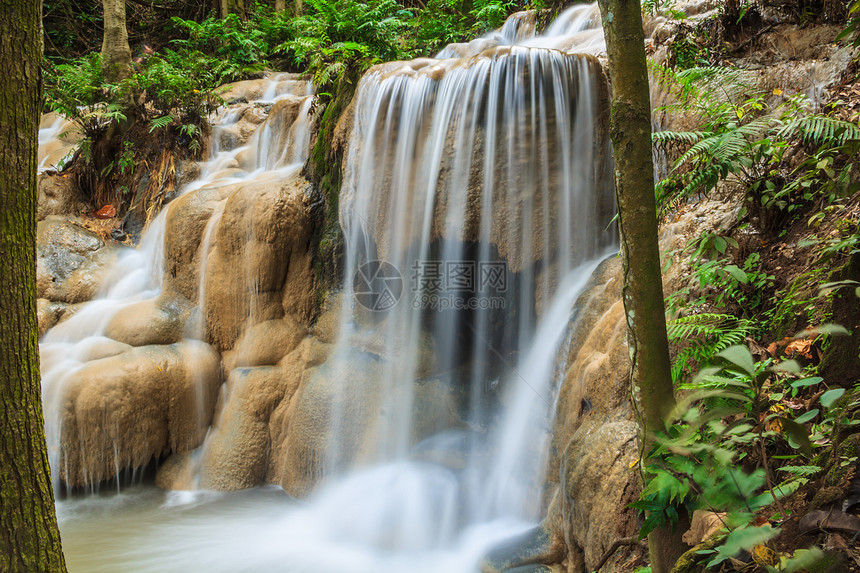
[807, 417]
[807, 382]
[736, 273]
[797, 433]
[740, 539]
[739, 356]
[828, 398]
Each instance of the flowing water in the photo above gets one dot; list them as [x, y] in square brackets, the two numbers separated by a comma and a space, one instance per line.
[482, 182]
[137, 274]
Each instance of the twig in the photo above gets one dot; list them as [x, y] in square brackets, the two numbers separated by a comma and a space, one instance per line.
[613, 548]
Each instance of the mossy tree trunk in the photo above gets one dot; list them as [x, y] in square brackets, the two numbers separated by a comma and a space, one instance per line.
[630, 132]
[116, 53]
[29, 538]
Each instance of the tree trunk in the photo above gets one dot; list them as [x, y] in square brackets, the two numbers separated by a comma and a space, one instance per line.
[116, 54]
[630, 132]
[29, 538]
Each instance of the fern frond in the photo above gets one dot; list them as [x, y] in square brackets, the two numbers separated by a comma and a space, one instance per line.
[703, 336]
[686, 136]
[820, 129]
[160, 122]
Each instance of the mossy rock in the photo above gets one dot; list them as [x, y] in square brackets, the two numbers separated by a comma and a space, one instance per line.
[837, 473]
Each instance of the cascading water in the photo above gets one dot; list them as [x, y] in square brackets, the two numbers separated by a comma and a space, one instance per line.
[482, 181]
[137, 275]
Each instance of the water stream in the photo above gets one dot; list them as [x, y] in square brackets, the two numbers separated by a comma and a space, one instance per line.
[482, 181]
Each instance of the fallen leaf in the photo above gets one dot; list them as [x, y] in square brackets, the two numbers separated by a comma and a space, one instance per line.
[106, 212]
[764, 556]
[801, 347]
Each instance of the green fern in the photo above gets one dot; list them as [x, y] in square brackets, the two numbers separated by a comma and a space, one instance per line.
[702, 337]
[160, 122]
[820, 129]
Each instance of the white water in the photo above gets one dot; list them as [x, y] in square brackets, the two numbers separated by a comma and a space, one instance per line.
[438, 147]
[137, 274]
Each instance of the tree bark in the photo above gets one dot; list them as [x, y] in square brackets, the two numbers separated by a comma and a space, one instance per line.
[29, 538]
[630, 132]
[116, 53]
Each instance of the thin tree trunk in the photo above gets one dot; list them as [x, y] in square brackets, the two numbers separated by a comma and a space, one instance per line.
[29, 538]
[630, 132]
[116, 53]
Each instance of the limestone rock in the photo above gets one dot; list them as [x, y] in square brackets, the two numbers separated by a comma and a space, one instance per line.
[237, 450]
[61, 248]
[124, 410]
[347, 391]
[159, 320]
[58, 195]
[351, 389]
[264, 344]
[187, 219]
[260, 266]
[594, 438]
[48, 313]
[85, 282]
[600, 483]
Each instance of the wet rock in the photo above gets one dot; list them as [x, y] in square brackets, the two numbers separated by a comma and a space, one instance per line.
[526, 552]
[85, 282]
[122, 411]
[58, 195]
[72, 263]
[48, 313]
[250, 90]
[61, 247]
[353, 390]
[160, 320]
[187, 218]
[595, 438]
[264, 344]
[236, 453]
[599, 483]
[260, 265]
[348, 392]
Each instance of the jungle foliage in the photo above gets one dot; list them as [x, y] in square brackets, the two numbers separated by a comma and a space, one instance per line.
[759, 426]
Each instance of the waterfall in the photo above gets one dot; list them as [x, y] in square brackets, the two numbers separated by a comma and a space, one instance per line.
[476, 201]
[137, 275]
[483, 186]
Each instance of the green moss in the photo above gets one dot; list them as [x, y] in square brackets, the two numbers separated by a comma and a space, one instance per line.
[324, 170]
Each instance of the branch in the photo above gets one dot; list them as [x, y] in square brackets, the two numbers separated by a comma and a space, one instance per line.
[613, 548]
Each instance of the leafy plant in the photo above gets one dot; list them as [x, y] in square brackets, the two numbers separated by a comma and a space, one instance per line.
[702, 336]
[744, 138]
[727, 412]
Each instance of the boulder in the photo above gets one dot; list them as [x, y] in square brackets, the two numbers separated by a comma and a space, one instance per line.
[264, 344]
[330, 421]
[58, 195]
[595, 437]
[354, 389]
[187, 221]
[124, 410]
[85, 282]
[48, 313]
[260, 266]
[61, 248]
[159, 320]
[236, 453]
